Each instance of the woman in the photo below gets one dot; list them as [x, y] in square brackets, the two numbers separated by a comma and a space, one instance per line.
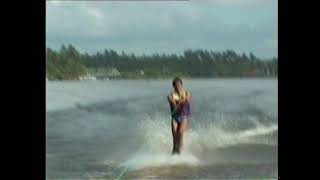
[179, 101]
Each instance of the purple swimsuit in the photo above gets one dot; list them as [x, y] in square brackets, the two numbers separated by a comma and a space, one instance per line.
[184, 111]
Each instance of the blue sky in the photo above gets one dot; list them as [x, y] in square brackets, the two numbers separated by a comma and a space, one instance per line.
[143, 27]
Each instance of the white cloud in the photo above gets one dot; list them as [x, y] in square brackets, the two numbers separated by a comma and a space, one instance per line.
[96, 13]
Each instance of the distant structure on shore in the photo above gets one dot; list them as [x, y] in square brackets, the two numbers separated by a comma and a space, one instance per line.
[101, 73]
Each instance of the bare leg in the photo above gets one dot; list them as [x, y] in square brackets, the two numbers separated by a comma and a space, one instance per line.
[181, 129]
[174, 127]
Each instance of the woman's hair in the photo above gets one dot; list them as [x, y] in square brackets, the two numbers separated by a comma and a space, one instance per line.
[175, 80]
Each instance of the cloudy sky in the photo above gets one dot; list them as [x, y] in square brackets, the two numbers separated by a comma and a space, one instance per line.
[144, 27]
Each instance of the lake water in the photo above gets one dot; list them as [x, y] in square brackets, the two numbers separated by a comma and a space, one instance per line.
[120, 129]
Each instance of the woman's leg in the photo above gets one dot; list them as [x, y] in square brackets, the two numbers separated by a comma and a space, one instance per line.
[174, 128]
[181, 129]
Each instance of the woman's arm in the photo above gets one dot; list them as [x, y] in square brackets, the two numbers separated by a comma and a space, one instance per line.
[187, 98]
[173, 102]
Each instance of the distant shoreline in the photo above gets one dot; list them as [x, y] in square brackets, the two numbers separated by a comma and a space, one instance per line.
[69, 64]
[157, 79]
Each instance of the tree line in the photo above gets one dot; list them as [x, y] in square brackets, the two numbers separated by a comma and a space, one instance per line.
[68, 63]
